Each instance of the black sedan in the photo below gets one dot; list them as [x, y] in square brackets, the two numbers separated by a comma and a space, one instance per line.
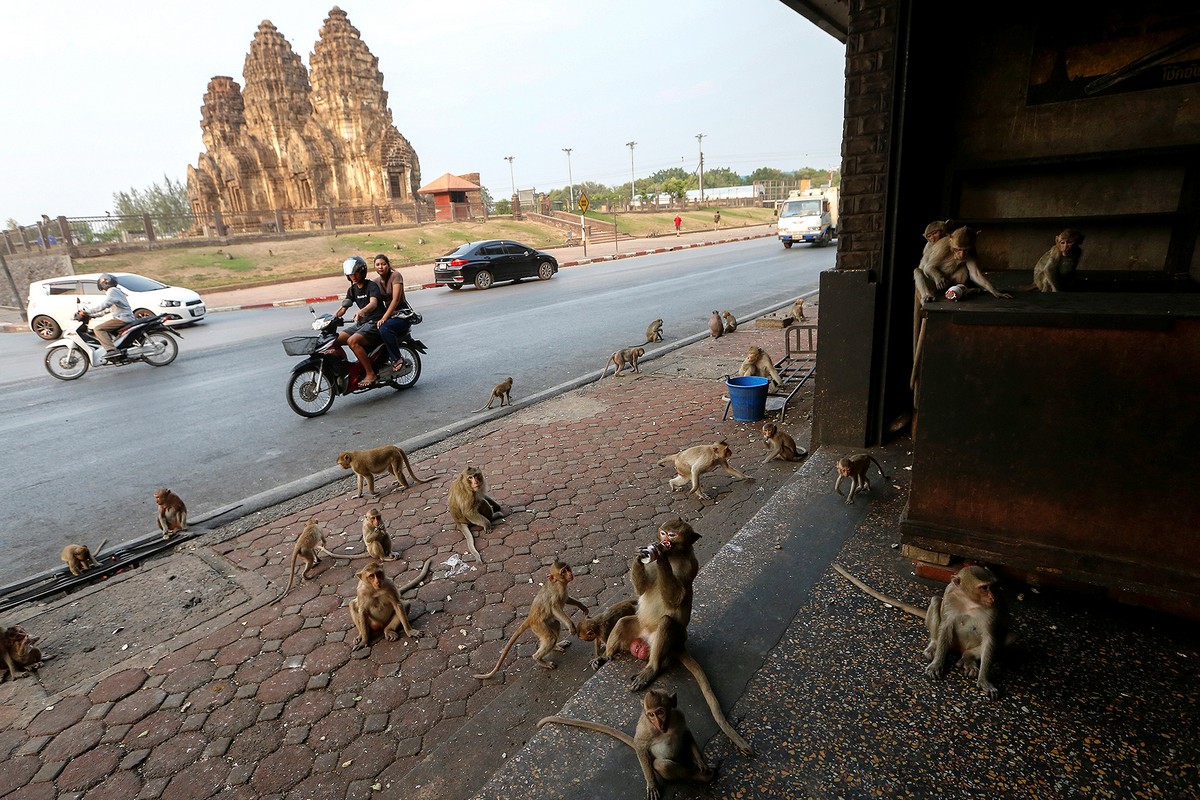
[484, 263]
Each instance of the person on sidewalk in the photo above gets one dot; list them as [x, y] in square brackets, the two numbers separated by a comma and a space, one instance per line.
[678, 222]
[393, 325]
[366, 295]
[122, 312]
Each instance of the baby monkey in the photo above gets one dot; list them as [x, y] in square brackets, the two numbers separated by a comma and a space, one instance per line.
[502, 392]
[79, 558]
[664, 744]
[598, 628]
[1056, 267]
[855, 468]
[781, 446]
[376, 538]
[172, 513]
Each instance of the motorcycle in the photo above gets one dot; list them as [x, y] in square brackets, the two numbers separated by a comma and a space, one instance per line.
[147, 339]
[326, 372]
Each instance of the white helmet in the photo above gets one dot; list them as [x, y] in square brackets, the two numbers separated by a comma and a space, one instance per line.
[352, 265]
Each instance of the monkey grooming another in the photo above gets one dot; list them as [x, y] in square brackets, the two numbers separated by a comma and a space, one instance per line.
[545, 614]
[855, 468]
[654, 331]
[970, 618]
[378, 607]
[309, 543]
[79, 558]
[662, 576]
[695, 461]
[502, 391]
[375, 537]
[597, 629]
[172, 513]
[1056, 267]
[629, 355]
[950, 261]
[377, 461]
[662, 741]
[470, 504]
[780, 445]
[730, 322]
[759, 364]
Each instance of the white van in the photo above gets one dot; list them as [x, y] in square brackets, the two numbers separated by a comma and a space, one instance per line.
[53, 302]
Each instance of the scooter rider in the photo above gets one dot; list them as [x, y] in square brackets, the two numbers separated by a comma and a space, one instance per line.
[366, 296]
[122, 313]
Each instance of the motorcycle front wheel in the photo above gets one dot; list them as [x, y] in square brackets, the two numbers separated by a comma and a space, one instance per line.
[411, 371]
[66, 363]
[165, 344]
[309, 392]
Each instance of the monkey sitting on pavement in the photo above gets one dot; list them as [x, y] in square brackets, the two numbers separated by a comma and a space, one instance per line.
[172, 513]
[470, 504]
[377, 605]
[780, 445]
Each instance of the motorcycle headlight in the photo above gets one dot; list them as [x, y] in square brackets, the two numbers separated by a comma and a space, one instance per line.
[170, 303]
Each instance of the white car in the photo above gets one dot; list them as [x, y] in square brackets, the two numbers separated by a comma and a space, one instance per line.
[53, 302]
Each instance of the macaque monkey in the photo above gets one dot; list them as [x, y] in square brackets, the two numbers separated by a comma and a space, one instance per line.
[378, 607]
[951, 261]
[781, 445]
[759, 363]
[664, 745]
[597, 629]
[730, 322]
[855, 468]
[695, 461]
[470, 504]
[629, 355]
[970, 618]
[79, 558]
[545, 614]
[17, 642]
[1056, 267]
[715, 326]
[662, 576]
[9, 649]
[172, 513]
[309, 543]
[376, 538]
[935, 231]
[501, 392]
[798, 309]
[377, 461]
[654, 331]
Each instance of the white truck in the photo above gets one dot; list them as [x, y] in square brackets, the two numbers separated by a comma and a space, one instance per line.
[809, 215]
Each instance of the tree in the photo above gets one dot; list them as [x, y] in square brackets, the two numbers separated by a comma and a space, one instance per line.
[677, 188]
[502, 207]
[673, 172]
[167, 204]
[722, 176]
[768, 174]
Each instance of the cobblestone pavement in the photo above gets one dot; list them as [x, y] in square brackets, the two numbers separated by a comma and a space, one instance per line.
[270, 700]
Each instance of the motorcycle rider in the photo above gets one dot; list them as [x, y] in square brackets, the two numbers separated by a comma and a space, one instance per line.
[392, 325]
[122, 313]
[363, 333]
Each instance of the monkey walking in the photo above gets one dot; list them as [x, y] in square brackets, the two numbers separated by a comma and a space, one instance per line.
[693, 462]
[855, 468]
[629, 355]
[366, 464]
[172, 513]
[970, 618]
[79, 558]
[545, 614]
[470, 504]
[309, 544]
[501, 392]
[662, 741]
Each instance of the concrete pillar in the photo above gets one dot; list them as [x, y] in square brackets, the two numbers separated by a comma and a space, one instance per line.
[148, 226]
[278, 221]
[375, 213]
[329, 223]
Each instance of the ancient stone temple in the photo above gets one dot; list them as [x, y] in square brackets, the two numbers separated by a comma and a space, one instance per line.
[302, 139]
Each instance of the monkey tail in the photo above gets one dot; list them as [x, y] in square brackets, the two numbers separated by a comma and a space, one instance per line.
[524, 627]
[591, 726]
[415, 582]
[470, 537]
[693, 666]
[97, 550]
[880, 466]
[667, 461]
[412, 474]
[291, 578]
[883, 598]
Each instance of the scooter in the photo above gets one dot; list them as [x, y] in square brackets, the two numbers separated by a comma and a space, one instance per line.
[147, 339]
[326, 372]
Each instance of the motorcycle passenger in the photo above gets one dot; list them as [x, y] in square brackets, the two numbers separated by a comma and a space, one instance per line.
[122, 313]
[362, 335]
[392, 326]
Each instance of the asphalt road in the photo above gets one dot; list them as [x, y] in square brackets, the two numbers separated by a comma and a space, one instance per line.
[82, 459]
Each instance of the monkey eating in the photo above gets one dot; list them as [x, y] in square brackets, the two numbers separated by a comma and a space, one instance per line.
[172, 513]
[470, 504]
[730, 322]
[759, 364]
[665, 746]
[780, 445]
[378, 607]
[1056, 267]
[79, 558]
[855, 468]
[950, 261]
[970, 617]
[695, 461]
[501, 392]
[629, 355]
[309, 543]
[375, 537]
[545, 614]
[597, 629]
[654, 331]
[377, 461]
[662, 576]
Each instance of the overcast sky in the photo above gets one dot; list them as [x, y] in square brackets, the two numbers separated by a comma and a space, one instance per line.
[101, 97]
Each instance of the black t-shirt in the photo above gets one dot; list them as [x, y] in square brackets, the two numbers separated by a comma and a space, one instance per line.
[360, 298]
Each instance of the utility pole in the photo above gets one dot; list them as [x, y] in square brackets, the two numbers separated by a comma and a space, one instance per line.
[571, 192]
[632, 173]
[516, 202]
[700, 143]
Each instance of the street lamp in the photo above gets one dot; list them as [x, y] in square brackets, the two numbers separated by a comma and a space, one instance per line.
[571, 192]
[509, 159]
[700, 143]
[632, 172]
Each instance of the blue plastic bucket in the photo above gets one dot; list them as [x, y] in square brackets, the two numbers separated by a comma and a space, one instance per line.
[748, 397]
